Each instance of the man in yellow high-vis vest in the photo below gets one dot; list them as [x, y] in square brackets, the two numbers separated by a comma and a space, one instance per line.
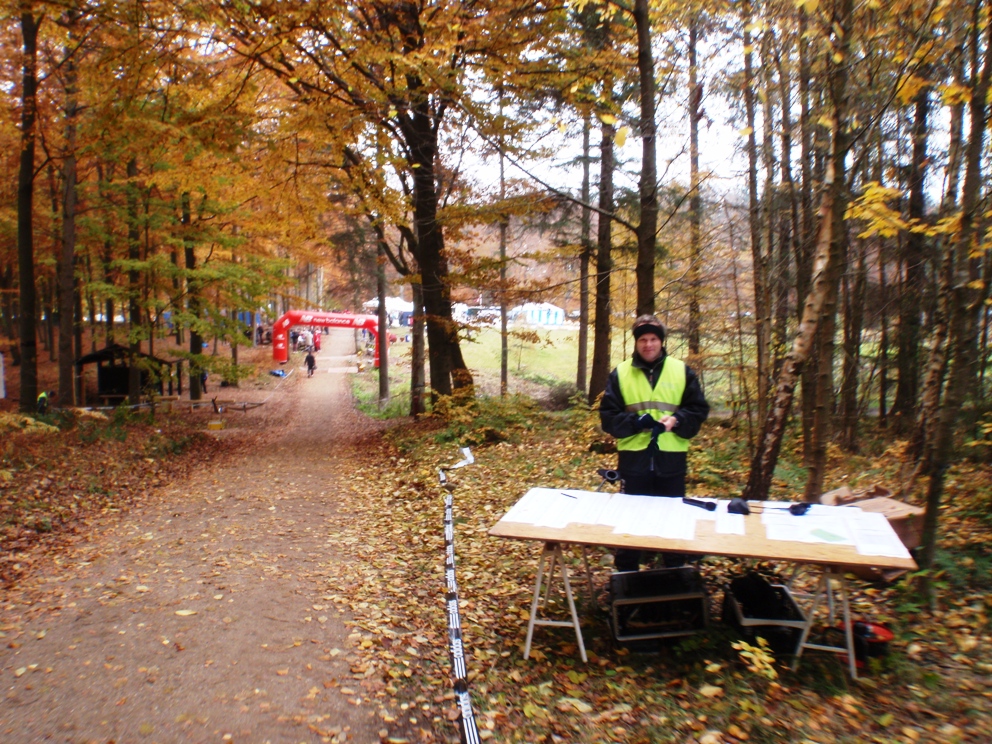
[653, 405]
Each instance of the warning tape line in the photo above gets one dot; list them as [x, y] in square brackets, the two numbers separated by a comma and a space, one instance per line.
[456, 647]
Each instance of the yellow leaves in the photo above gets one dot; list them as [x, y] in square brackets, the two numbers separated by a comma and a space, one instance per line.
[185, 613]
[759, 659]
[608, 119]
[571, 703]
[737, 732]
[872, 208]
[910, 88]
[621, 136]
[282, 672]
[710, 691]
[534, 710]
[807, 6]
[966, 643]
[952, 94]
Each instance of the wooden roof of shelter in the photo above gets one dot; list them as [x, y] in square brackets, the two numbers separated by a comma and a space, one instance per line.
[115, 353]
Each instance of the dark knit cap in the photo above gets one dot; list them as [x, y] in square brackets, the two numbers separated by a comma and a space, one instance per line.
[648, 327]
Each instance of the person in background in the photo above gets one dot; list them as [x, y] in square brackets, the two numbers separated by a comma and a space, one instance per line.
[43, 402]
[653, 405]
[311, 363]
[203, 380]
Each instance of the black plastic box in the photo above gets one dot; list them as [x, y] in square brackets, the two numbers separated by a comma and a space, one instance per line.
[779, 621]
[661, 603]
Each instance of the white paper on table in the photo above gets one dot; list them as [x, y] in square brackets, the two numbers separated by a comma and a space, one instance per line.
[559, 510]
[529, 507]
[873, 535]
[542, 507]
[727, 523]
[587, 506]
[826, 525]
[654, 516]
[627, 514]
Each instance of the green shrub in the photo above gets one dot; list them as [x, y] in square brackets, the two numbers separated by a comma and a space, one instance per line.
[473, 421]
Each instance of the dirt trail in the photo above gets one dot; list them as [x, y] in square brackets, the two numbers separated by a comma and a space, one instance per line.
[208, 615]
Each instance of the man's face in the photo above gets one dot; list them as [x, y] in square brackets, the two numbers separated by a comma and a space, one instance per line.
[649, 347]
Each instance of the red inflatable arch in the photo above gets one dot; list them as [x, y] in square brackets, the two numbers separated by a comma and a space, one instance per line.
[280, 329]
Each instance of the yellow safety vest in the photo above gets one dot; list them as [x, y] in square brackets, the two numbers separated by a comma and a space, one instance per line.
[663, 399]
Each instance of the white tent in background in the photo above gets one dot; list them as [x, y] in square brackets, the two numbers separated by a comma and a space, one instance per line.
[396, 309]
[394, 306]
[538, 313]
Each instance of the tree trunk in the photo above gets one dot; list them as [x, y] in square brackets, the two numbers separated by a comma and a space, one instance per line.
[883, 344]
[962, 315]
[381, 292]
[192, 302]
[828, 263]
[789, 224]
[773, 270]
[504, 350]
[914, 257]
[133, 284]
[936, 369]
[807, 244]
[758, 257]
[448, 370]
[604, 261]
[695, 200]
[68, 292]
[647, 228]
[581, 373]
[8, 287]
[853, 329]
[25, 212]
[824, 339]
[418, 405]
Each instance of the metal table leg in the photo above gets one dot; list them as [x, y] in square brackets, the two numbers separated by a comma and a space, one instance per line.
[823, 589]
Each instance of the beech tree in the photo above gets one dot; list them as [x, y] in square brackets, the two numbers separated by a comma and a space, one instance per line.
[400, 69]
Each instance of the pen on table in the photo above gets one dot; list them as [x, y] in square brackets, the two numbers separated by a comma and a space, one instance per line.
[569, 495]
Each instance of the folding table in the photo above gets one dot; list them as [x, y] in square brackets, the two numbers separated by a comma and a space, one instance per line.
[829, 538]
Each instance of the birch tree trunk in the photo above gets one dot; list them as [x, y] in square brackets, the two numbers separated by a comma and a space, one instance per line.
[828, 264]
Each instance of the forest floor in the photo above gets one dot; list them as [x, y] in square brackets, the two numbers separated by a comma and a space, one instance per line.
[281, 580]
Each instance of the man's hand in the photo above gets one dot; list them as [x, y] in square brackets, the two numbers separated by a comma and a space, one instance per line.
[669, 422]
[645, 421]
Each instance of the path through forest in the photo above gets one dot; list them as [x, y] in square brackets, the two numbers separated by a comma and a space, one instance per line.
[208, 614]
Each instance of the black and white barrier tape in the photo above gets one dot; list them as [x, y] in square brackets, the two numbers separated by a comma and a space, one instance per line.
[456, 647]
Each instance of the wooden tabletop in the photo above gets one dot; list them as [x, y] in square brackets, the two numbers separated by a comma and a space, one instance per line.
[753, 544]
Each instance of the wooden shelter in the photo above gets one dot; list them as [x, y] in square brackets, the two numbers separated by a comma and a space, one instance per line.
[113, 371]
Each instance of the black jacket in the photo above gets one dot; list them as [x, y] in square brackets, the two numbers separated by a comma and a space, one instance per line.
[619, 422]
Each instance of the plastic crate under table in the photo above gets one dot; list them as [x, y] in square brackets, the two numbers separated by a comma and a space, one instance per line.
[659, 603]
